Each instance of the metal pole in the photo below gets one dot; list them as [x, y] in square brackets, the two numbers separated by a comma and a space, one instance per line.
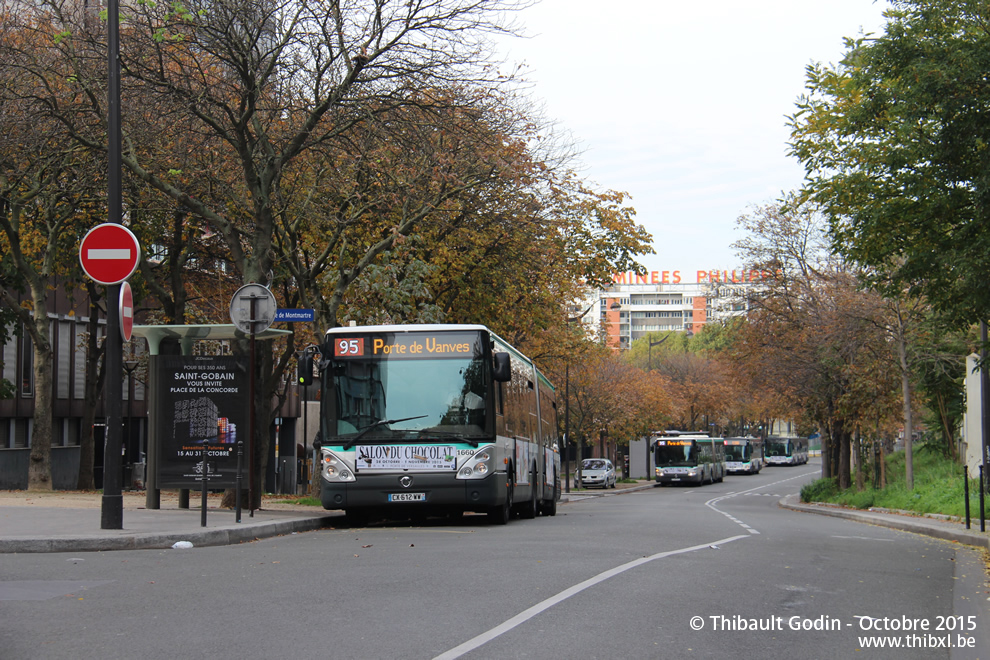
[306, 441]
[130, 416]
[129, 367]
[112, 504]
[152, 494]
[239, 479]
[567, 426]
[966, 492]
[254, 304]
[983, 518]
[984, 401]
[203, 479]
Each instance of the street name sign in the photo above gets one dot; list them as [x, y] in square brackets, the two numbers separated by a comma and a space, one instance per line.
[295, 315]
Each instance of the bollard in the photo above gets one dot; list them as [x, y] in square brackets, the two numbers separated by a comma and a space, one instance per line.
[966, 492]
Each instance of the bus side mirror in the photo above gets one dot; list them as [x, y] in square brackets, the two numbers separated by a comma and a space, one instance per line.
[503, 368]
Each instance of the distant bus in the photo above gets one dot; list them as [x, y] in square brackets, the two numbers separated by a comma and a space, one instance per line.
[786, 451]
[743, 455]
[688, 458]
[434, 419]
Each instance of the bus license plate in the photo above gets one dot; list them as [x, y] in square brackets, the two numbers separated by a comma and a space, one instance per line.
[407, 497]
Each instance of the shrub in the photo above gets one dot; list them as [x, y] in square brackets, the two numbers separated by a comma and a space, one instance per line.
[820, 490]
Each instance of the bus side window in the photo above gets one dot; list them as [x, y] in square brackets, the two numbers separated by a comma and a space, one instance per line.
[499, 398]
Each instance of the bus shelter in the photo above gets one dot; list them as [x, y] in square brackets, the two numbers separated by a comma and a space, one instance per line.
[194, 404]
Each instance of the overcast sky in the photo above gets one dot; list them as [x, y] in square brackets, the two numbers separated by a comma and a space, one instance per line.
[683, 105]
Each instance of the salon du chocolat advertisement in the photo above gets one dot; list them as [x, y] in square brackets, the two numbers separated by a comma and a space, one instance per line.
[204, 411]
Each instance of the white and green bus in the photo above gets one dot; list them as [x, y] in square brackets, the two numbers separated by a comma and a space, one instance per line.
[786, 451]
[743, 455]
[688, 458]
[434, 419]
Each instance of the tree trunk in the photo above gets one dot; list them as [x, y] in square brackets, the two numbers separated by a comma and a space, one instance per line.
[94, 384]
[859, 460]
[908, 417]
[826, 451]
[883, 466]
[40, 463]
[844, 472]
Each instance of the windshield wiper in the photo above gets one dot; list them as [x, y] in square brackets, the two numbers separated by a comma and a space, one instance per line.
[450, 434]
[381, 422]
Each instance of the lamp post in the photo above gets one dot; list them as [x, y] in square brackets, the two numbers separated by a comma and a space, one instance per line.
[567, 425]
[649, 367]
[567, 410]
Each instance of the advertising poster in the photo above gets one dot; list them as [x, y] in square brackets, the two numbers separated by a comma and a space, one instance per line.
[204, 411]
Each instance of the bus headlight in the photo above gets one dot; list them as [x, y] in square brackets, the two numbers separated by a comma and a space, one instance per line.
[335, 469]
[478, 466]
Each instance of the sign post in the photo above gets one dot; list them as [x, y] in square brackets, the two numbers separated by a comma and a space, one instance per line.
[109, 254]
[252, 310]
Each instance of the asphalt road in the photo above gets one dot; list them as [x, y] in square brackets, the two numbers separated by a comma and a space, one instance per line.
[718, 571]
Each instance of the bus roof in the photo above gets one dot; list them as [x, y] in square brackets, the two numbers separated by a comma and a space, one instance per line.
[437, 327]
[408, 327]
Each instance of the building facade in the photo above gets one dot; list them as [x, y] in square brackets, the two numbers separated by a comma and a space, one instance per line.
[671, 301]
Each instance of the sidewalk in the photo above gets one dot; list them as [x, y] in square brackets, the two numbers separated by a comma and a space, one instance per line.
[905, 521]
[70, 522]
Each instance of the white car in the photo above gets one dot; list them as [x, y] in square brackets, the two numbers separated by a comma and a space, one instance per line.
[596, 472]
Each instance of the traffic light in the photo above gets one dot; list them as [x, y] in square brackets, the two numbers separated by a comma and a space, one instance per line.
[305, 369]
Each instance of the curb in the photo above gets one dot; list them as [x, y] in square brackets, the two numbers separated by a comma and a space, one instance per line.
[893, 521]
[150, 541]
[566, 497]
[227, 535]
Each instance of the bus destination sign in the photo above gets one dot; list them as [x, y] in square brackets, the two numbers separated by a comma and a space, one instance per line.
[406, 345]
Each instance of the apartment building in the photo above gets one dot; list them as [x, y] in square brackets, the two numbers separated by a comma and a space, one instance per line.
[671, 301]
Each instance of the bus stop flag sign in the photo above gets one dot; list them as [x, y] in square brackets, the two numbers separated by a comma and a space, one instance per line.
[109, 253]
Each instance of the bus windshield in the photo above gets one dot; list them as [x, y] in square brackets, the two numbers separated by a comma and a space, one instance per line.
[739, 453]
[401, 398]
[674, 454]
[778, 449]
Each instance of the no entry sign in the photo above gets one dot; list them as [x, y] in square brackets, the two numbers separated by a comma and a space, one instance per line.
[126, 311]
[109, 253]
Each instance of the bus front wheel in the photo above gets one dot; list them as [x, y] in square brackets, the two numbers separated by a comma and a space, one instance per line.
[500, 513]
[356, 517]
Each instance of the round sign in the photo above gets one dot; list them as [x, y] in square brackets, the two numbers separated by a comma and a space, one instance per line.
[109, 253]
[126, 311]
[252, 309]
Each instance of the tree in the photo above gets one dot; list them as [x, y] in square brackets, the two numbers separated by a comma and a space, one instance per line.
[893, 139]
[613, 400]
[340, 154]
[43, 189]
[259, 87]
[810, 335]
